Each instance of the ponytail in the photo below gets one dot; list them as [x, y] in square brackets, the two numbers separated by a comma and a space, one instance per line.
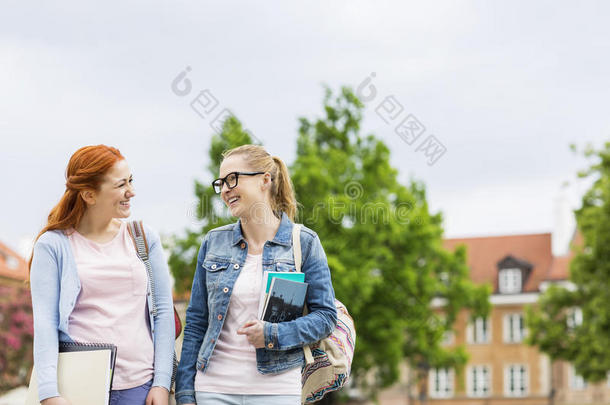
[283, 198]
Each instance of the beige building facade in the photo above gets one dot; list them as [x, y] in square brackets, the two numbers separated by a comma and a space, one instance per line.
[502, 369]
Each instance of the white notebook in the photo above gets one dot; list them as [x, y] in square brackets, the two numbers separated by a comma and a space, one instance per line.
[84, 374]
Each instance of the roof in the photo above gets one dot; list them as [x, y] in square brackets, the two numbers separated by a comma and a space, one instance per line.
[12, 265]
[560, 268]
[484, 254]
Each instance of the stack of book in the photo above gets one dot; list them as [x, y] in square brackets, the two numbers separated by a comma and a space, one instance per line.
[282, 296]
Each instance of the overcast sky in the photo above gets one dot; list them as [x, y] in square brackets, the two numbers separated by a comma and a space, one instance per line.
[504, 86]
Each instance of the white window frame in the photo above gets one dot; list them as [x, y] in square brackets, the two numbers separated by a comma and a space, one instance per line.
[475, 376]
[577, 382]
[574, 317]
[478, 331]
[518, 387]
[440, 382]
[12, 263]
[514, 330]
[448, 338]
[510, 281]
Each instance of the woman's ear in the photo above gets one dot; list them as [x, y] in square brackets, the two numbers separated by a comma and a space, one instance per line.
[266, 181]
[88, 196]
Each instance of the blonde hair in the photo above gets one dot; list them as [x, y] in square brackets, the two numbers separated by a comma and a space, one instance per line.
[282, 192]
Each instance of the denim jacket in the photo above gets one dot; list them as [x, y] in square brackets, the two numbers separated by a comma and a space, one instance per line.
[55, 286]
[223, 253]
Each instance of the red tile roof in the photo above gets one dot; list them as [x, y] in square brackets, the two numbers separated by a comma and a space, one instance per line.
[12, 265]
[484, 253]
[560, 268]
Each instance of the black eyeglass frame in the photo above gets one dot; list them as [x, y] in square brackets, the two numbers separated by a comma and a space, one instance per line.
[224, 180]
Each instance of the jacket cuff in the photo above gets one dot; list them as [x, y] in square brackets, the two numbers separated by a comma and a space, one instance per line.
[185, 397]
[271, 336]
[162, 380]
[47, 391]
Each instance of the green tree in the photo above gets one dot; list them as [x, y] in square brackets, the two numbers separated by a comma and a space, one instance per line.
[583, 344]
[384, 247]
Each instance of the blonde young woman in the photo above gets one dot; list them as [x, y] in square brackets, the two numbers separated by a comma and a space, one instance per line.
[228, 355]
[88, 284]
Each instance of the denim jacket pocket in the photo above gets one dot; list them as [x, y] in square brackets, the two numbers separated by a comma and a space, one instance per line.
[214, 266]
[285, 267]
[214, 271]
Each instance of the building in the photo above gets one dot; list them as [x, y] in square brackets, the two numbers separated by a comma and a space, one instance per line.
[13, 267]
[502, 368]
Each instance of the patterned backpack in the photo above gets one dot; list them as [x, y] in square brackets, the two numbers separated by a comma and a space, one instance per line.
[327, 362]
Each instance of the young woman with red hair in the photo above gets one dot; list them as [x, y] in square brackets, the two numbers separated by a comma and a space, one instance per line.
[89, 285]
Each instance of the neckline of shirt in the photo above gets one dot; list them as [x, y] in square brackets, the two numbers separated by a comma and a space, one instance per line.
[100, 244]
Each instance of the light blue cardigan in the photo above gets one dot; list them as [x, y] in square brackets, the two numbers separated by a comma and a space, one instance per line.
[55, 287]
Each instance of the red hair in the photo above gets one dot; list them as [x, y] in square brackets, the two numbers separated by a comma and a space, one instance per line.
[85, 171]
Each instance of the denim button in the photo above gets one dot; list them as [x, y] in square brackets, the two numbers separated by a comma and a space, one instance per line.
[243, 245]
[219, 317]
[270, 345]
[236, 266]
[213, 266]
[225, 290]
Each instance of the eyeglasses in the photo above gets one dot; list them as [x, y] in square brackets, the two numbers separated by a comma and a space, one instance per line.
[231, 180]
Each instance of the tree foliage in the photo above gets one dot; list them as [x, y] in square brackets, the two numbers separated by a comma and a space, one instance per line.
[585, 344]
[16, 336]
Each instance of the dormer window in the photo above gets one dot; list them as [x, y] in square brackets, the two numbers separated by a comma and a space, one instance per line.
[513, 275]
[510, 281]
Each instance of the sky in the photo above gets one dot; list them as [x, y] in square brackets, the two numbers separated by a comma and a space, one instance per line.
[505, 87]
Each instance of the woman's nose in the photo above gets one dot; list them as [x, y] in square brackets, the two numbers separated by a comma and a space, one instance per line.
[131, 191]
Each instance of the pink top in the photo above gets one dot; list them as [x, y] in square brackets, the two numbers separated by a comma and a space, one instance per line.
[111, 306]
[232, 368]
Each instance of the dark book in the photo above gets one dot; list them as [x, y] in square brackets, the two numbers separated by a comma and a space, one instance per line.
[285, 302]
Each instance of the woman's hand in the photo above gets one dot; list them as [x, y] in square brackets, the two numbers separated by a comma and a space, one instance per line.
[255, 332]
[157, 396]
[55, 401]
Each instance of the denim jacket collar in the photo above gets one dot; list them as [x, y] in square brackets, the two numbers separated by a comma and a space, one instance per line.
[282, 237]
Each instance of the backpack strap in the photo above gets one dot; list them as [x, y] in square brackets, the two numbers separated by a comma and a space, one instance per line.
[296, 251]
[136, 231]
[296, 246]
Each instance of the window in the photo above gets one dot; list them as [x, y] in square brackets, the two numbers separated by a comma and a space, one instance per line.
[448, 338]
[510, 281]
[479, 381]
[514, 328]
[574, 317]
[12, 263]
[478, 331]
[515, 381]
[577, 382]
[440, 383]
